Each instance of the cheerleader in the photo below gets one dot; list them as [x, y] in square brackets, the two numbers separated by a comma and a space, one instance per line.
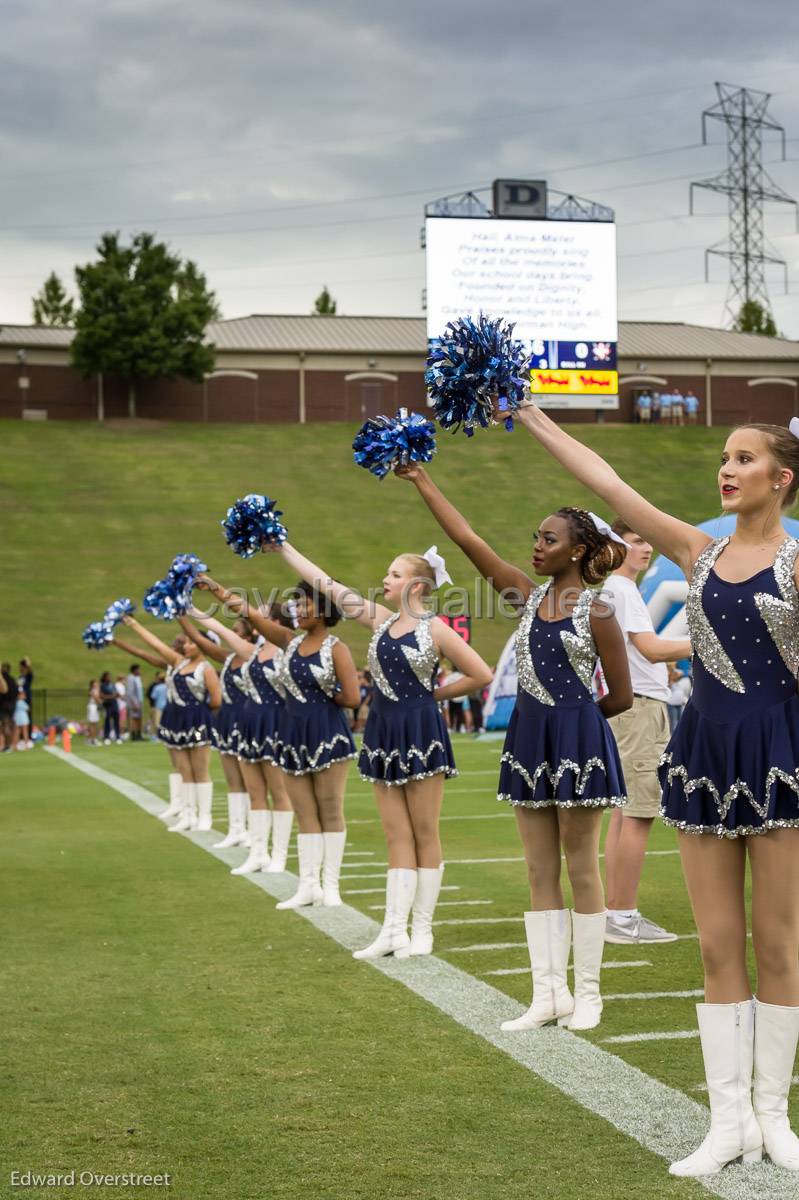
[196, 692]
[319, 678]
[730, 775]
[560, 766]
[259, 747]
[406, 752]
[226, 729]
[175, 806]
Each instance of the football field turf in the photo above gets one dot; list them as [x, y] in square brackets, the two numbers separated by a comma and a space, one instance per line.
[161, 1016]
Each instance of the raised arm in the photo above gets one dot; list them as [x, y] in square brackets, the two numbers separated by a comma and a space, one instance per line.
[350, 602]
[476, 673]
[678, 540]
[166, 652]
[272, 630]
[501, 575]
[238, 645]
[209, 648]
[214, 687]
[154, 660]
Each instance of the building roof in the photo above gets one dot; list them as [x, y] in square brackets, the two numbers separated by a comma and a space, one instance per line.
[407, 335]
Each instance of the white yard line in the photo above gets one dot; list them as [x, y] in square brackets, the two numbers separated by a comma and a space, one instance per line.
[381, 891]
[693, 994]
[663, 1120]
[479, 921]
[606, 966]
[665, 1035]
[441, 903]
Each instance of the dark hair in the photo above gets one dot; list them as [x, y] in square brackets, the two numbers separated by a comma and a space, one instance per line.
[323, 605]
[602, 554]
[134, 667]
[105, 675]
[249, 631]
[621, 527]
[784, 448]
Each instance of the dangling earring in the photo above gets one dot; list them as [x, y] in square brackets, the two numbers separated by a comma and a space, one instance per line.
[575, 557]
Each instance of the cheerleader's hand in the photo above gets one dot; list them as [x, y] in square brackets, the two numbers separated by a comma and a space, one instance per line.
[271, 548]
[411, 472]
[205, 583]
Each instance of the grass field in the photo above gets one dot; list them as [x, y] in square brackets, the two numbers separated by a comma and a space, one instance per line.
[160, 1015]
[90, 513]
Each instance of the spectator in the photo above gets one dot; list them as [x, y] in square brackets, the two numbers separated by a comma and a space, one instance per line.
[109, 697]
[121, 703]
[676, 407]
[134, 700]
[665, 408]
[25, 681]
[362, 711]
[656, 408]
[643, 408]
[679, 694]
[476, 708]
[22, 722]
[157, 695]
[691, 404]
[8, 700]
[93, 711]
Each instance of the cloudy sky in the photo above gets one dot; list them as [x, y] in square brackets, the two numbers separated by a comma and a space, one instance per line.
[286, 145]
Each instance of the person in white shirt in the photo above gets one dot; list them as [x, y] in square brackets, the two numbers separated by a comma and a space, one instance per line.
[641, 734]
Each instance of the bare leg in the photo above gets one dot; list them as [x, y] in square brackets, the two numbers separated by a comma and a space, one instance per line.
[424, 798]
[254, 784]
[579, 835]
[303, 801]
[538, 829]
[714, 870]
[329, 786]
[397, 828]
[182, 762]
[200, 763]
[774, 861]
[232, 772]
[611, 852]
[628, 852]
[276, 783]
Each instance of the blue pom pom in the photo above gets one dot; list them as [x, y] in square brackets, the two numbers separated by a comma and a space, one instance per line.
[251, 523]
[97, 635]
[383, 443]
[468, 366]
[116, 611]
[170, 597]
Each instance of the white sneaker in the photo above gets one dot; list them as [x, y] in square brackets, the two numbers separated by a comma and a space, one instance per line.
[640, 931]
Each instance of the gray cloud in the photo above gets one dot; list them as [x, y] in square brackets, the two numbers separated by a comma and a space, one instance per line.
[165, 116]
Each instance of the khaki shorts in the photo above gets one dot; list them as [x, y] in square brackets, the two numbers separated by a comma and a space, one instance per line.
[642, 734]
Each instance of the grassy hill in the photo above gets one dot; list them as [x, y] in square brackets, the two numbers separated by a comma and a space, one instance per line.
[91, 513]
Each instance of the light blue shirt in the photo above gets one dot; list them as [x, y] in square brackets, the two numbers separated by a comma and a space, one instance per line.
[691, 403]
[158, 696]
[665, 400]
[644, 400]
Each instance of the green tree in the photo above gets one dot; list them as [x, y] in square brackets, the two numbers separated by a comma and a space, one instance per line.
[52, 306]
[324, 305]
[754, 317]
[143, 314]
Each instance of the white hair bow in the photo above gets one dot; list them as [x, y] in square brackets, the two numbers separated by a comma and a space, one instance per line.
[793, 427]
[603, 527]
[213, 636]
[438, 564]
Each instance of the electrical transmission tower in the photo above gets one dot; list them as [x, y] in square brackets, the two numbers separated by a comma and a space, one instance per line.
[747, 185]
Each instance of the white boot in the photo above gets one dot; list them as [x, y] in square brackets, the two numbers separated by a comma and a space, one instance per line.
[175, 797]
[549, 936]
[246, 808]
[588, 945]
[428, 885]
[187, 819]
[333, 853]
[281, 835]
[310, 850]
[236, 808]
[776, 1035]
[257, 859]
[727, 1035]
[400, 891]
[205, 804]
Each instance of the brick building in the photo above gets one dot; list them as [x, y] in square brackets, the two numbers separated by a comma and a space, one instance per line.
[311, 368]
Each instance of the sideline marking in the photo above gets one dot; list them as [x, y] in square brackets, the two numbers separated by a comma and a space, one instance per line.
[661, 1119]
[663, 1036]
[606, 966]
[656, 995]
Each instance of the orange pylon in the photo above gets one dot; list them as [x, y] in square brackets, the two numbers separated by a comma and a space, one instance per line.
[66, 741]
[51, 733]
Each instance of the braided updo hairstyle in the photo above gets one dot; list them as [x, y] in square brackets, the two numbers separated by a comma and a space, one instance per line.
[602, 554]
